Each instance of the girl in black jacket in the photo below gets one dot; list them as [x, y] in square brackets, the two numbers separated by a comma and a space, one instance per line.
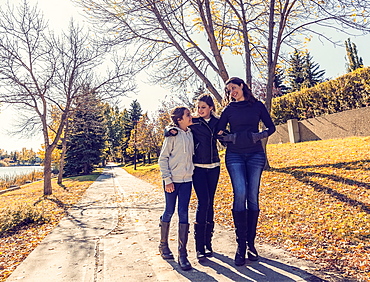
[206, 173]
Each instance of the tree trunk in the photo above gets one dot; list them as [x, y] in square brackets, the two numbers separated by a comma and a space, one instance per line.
[61, 163]
[270, 69]
[47, 171]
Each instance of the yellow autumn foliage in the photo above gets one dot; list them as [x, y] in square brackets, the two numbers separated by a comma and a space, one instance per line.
[315, 202]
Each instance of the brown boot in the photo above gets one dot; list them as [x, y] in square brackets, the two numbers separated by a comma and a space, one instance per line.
[183, 240]
[163, 246]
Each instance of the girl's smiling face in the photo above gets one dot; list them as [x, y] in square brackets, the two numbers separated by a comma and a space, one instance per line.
[235, 91]
[204, 110]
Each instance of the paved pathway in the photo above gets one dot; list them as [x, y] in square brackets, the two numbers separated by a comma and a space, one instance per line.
[113, 234]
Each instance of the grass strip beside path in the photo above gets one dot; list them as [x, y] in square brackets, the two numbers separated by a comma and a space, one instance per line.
[30, 216]
[315, 202]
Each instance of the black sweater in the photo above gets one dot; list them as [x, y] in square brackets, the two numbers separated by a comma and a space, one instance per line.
[243, 118]
[204, 134]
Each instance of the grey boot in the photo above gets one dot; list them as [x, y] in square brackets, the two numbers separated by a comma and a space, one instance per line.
[199, 236]
[183, 240]
[163, 246]
[208, 238]
[252, 228]
[240, 222]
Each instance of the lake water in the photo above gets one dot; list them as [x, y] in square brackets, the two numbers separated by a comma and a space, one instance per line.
[18, 170]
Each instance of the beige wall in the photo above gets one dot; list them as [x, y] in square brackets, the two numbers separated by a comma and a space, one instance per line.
[339, 125]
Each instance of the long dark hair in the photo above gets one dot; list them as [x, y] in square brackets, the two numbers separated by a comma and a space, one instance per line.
[206, 98]
[247, 92]
[177, 114]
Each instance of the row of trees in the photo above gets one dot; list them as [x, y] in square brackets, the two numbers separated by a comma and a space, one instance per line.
[194, 43]
[99, 132]
[23, 157]
[45, 75]
[187, 44]
[302, 72]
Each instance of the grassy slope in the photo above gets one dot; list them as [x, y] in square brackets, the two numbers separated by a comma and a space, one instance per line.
[315, 202]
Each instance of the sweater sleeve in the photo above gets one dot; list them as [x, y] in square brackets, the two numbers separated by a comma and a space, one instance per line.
[163, 159]
[267, 121]
[222, 123]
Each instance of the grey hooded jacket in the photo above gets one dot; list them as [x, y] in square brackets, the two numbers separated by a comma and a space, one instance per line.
[175, 160]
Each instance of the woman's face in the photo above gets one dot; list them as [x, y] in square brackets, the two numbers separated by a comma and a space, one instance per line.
[235, 91]
[204, 110]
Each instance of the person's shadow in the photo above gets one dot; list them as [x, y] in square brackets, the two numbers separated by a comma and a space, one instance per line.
[262, 270]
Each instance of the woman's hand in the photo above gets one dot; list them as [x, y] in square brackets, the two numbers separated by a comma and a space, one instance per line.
[169, 188]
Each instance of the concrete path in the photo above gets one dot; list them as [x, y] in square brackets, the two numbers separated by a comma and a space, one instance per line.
[113, 234]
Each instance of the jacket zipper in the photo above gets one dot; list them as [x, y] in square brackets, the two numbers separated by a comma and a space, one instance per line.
[206, 124]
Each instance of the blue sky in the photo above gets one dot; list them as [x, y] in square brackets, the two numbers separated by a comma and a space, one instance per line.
[330, 58]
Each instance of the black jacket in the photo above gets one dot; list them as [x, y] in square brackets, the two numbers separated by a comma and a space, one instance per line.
[204, 134]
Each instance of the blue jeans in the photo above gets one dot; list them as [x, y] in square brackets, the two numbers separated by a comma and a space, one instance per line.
[183, 193]
[245, 172]
[205, 184]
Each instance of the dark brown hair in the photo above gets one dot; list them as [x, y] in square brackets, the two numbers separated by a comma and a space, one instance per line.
[206, 98]
[247, 92]
[177, 114]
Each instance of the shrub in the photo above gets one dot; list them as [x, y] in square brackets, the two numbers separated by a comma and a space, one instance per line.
[350, 91]
[22, 215]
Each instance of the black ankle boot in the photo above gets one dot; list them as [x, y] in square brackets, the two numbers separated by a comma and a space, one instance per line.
[208, 238]
[240, 222]
[199, 236]
[164, 250]
[183, 240]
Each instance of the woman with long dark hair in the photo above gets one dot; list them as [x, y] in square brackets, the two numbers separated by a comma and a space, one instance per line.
[245, 159]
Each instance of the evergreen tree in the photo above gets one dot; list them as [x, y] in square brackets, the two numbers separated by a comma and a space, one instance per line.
[135, 114]
[296, 71]
[279, 87]
[86, 139]
[353, 60]
[311, 73]
[127, 127]
[135, 111]
[115, 132]
[303, 72]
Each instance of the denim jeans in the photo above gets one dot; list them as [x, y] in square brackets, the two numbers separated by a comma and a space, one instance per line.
[183, 193]
[245, 172]
[205, 184]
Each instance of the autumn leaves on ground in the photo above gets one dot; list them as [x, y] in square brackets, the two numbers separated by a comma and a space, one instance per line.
[34, 216]
[315, 203]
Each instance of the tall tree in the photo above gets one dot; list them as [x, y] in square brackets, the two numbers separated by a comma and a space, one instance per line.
[353, 60]
[40, 71]
[280, 88]
[311, 73]
[191, 41]
[115, 132]
[135, 113]
[296, 71]
[86, 137]
[303, 72]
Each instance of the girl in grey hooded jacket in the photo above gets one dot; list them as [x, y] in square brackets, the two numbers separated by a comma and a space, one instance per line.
[176, 166]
